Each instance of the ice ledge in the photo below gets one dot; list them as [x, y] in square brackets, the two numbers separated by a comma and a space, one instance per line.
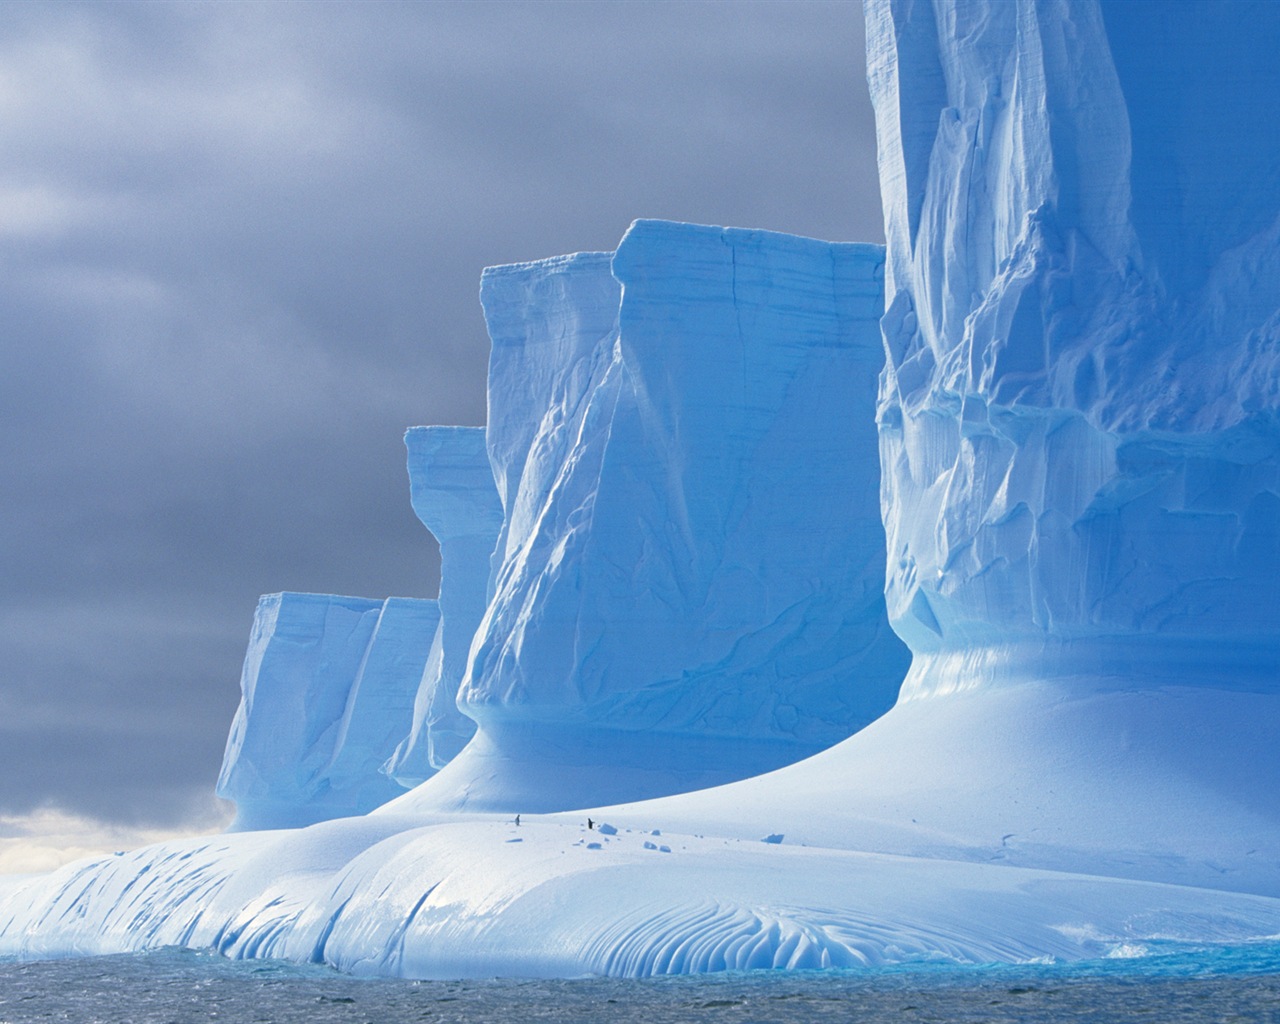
[540, 766]
[1097, 664]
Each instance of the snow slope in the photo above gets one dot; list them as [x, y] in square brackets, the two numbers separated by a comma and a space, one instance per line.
[482, 897]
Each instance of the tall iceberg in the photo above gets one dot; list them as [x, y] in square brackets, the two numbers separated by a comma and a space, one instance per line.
[452, 490]
[1079, 412]
[1078, 433]
[688, 580]
[1080, 449]
[1078, 436]
[326, 693]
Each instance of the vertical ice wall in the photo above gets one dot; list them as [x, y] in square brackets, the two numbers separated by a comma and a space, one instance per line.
[326, 693]
[688, 583]
[1079, 414]
[452, 490]
[381, 701]
[552, 324]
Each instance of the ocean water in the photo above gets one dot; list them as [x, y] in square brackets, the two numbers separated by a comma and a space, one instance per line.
[1151, 983]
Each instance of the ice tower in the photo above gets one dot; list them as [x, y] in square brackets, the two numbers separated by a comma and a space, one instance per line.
[1079, 415]
[452, 490]
[1079, 440]
[687, 585]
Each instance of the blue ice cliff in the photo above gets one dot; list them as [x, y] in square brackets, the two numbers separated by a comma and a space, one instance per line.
[643, 588]
[327, 691]
[1079, 480]
[452, 490]
[1079, 447]
[1079, 411]
[688, 583]
[1078, 414]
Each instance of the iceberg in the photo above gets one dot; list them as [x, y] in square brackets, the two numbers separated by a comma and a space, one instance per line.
[1078, 436]
[688, 582]
[1076, 418]
[1079, 451]
[452, 490]
[1079, 410]
[326, 693]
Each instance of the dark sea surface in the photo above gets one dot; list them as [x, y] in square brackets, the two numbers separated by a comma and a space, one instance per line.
[1149, 983]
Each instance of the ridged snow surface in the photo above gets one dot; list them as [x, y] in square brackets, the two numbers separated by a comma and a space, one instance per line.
[452, 489]
[485, 898]
[326, 694]
[688, 581]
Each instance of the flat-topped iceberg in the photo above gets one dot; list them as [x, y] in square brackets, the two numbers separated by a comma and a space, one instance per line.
[1077, 425]
[644, 589]
[688, 581]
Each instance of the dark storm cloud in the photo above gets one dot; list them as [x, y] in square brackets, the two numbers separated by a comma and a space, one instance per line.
[241, 246]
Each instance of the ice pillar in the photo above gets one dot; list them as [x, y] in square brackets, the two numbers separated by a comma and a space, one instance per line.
[452, 490]
[1078, 420]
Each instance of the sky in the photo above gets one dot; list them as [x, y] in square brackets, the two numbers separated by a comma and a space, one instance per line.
[241, 246]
